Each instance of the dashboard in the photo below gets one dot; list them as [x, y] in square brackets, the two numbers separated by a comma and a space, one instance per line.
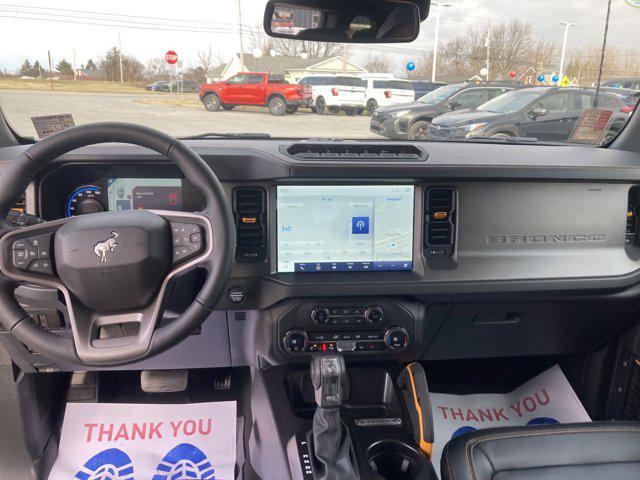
[397, 255]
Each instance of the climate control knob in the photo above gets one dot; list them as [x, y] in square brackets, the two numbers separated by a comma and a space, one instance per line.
[396, 338]
[320, 315]
[295, 341]
[374, 314]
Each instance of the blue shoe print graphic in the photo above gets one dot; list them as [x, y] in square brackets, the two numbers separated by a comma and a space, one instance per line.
[111, 464]
[185, 462]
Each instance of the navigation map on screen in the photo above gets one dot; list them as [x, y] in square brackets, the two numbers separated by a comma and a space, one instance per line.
[345, 228]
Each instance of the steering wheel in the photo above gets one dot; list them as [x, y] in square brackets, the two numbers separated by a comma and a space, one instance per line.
[113, 268]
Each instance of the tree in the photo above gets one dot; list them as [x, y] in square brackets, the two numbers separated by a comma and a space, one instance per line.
[110, 65]
[377, 63]
[292, 48]
[207, 60]
[36, 69]
[26, 69]
[90, 65]
[157, 69]
[65, 69]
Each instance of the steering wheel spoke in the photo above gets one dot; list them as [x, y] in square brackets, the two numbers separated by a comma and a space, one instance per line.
[27, 254]
[191, 239]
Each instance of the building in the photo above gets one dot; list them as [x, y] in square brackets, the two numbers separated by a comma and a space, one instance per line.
[84, 74]
[293, 68]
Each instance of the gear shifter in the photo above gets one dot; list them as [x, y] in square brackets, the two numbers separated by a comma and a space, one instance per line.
[332, 450]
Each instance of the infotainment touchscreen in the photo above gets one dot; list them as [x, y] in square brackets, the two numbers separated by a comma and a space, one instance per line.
[345, 228]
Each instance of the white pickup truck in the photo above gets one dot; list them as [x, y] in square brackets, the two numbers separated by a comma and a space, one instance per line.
[333, 93]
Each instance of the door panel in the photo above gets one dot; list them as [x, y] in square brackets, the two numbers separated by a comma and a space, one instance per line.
[557, 124]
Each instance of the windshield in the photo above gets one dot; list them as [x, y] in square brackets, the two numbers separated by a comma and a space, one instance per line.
[439, 94]
[197, 68]
[510, 102]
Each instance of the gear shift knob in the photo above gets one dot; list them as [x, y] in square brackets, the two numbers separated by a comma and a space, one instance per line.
[329, 378]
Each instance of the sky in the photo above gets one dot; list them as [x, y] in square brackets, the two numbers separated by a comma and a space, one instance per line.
[164, 26]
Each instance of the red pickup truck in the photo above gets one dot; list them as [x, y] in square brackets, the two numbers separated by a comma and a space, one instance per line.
[249, 88]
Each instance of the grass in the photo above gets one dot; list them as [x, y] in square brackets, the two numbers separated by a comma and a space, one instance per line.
[70, 86]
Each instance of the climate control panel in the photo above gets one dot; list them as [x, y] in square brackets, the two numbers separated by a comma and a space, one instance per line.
[377, 327]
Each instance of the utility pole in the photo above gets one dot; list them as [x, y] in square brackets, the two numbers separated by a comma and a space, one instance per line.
[435, 38]
[345, 57]
[74, 63]
[604, 47]
[240, 31]
[120, 57]
[50, 72]
[564, 46]
[487, 43]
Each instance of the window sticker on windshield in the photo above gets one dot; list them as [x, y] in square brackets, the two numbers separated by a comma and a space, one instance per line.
[50, 124]
[592, 126]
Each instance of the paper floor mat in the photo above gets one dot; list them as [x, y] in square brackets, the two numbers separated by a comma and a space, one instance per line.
[150, 442]
[545, 399]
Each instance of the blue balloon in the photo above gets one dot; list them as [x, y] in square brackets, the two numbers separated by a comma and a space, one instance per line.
[541, 78]
[411, 66]
[555, 78]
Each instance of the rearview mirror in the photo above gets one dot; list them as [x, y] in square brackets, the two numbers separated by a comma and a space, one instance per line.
[374, 21]
[539, 112]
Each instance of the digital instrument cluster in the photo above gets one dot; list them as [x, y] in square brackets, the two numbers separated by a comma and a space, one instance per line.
[117, 194]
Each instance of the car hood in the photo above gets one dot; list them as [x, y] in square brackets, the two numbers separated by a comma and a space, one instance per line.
[413, 106]
[465, 117]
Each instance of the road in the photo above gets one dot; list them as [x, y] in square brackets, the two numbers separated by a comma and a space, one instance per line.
[178, 115]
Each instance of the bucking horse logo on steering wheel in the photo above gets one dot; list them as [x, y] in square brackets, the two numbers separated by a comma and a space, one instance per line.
[102, 248]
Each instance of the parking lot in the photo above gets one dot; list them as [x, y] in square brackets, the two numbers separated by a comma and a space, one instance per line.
[176, 114]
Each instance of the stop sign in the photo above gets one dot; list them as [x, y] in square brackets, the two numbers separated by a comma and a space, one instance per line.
[171, 57]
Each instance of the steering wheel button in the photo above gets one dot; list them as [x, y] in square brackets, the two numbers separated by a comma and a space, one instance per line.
[32, 253]
[20, 259]
[41, 266]
[196, 238]
[20, 245]
[177, 241]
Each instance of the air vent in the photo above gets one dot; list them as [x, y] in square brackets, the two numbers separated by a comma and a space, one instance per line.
[439, 229]
[632, 215]
[249, 210]
[20, 205]
[356, 152]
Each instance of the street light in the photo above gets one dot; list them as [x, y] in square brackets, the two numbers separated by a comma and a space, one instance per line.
[564, 46]
[435, 39]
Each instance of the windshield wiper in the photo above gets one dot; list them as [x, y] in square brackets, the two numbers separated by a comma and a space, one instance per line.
[508, 139]
[226, 135]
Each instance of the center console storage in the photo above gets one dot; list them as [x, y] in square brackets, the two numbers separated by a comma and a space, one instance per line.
[377, 420]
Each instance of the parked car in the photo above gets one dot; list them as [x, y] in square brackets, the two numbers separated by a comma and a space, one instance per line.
[632, 83]
[422, 87]
[156, 86]
[544, 113]
[255, 88]
[411, 120]
[332, 93]
[180, 86]
[628, 96]
[381, 92]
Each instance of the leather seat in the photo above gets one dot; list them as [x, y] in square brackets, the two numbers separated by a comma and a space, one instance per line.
[585, 451]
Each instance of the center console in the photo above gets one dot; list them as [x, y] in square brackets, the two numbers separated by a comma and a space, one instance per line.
[377, 424]
[359, 328]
